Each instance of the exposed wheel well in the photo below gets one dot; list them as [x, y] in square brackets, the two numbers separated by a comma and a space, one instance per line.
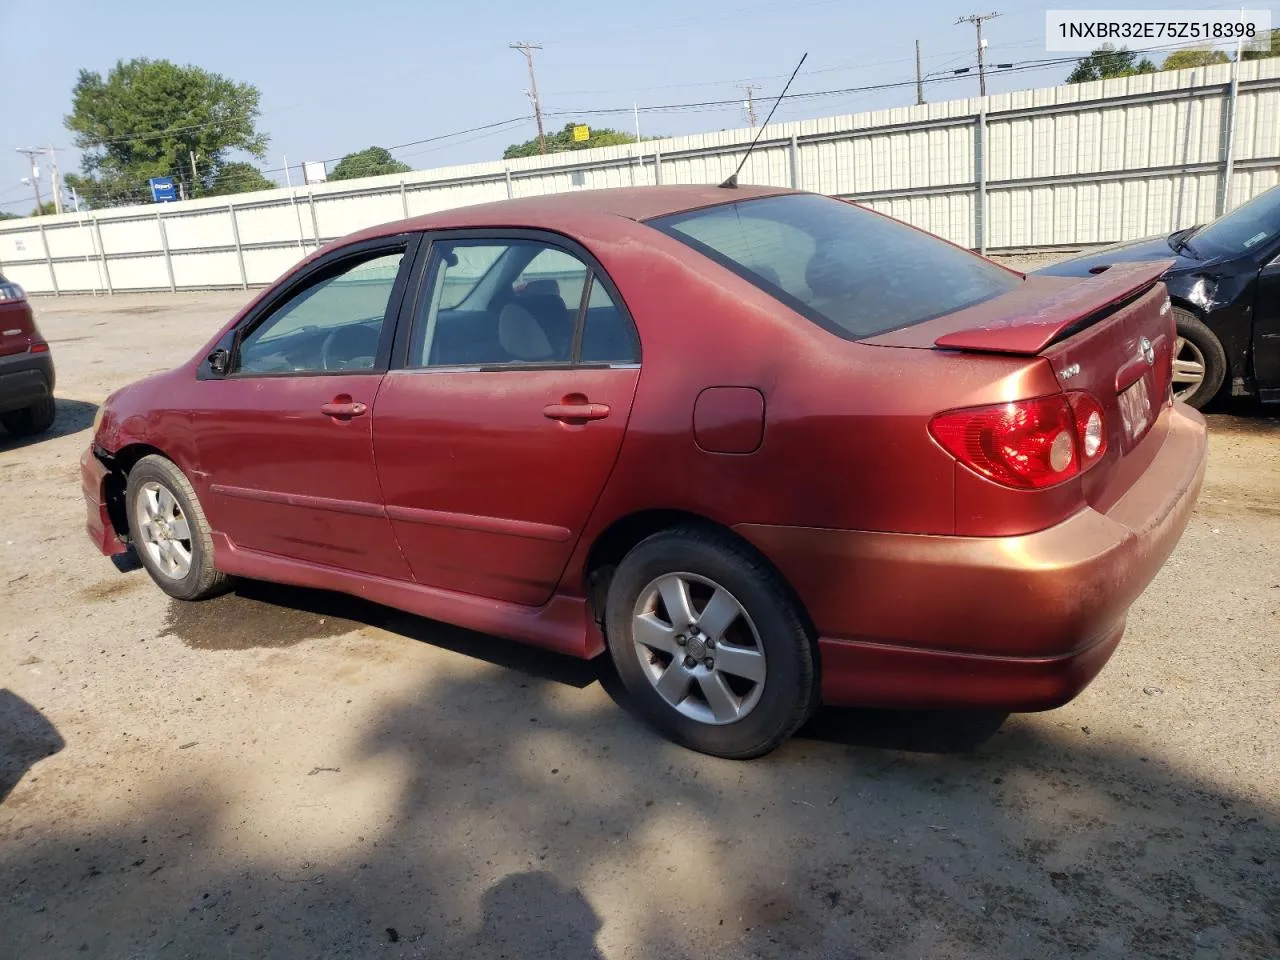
[626, 532]
[122, 461]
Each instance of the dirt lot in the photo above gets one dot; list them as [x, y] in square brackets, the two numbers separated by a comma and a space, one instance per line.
[280, 773]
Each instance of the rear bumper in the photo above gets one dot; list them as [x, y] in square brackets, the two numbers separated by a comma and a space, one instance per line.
[97, 524]
[1016, 623]
[25, 378]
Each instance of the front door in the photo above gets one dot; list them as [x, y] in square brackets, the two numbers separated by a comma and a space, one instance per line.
[1266, 331]
[496, 433]
[286, 435]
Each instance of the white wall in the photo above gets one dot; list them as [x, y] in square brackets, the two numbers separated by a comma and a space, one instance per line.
[1068, 166]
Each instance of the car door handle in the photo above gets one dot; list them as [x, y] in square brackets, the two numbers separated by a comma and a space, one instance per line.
[575, 412]
[343, 409]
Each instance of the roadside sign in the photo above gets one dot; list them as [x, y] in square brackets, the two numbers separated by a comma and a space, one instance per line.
[581, 133]
[313, 171]
[163, 190]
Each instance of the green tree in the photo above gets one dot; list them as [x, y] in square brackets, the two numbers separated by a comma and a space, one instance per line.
[1194, 57]
[1107, 62]
[237, 177]
[6, 215]
[47, 209]
[1256, 54]
[562, 140]
[370, 162]
[148, 117]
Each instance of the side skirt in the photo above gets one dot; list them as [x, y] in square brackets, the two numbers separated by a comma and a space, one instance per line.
[562, 624]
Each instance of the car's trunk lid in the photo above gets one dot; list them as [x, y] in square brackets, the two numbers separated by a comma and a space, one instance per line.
[1111, 335]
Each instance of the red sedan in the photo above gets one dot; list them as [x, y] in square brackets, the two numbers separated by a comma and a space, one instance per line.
[766, 448]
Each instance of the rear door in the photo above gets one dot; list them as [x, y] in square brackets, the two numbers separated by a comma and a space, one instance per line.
[496, 430]
[285, 435]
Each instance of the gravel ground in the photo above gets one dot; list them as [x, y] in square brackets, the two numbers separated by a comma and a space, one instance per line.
[285, 773]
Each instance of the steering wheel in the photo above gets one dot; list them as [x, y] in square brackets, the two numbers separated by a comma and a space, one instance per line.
[360, 341]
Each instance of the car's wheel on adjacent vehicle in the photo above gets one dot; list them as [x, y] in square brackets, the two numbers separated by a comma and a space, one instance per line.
[169, 530]
[709, 643]
[1199, 362]
[32, 420]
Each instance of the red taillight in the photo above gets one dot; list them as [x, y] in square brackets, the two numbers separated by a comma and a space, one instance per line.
[39, 346]
[1026, 444]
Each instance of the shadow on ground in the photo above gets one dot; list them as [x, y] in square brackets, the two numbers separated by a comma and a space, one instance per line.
[73, 416]
[532, 819]
[26, 738]
[514, 838]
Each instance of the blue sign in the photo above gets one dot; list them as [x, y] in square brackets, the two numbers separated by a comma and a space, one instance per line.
[163, 190]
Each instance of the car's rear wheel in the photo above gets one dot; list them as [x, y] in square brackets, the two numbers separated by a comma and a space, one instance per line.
[1199, 362]
[709, 643]
[169, 530]
[32, 420]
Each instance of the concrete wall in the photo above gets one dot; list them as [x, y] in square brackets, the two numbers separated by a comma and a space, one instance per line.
[1059, 166]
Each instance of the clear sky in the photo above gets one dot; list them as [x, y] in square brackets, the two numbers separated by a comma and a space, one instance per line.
[340, 76]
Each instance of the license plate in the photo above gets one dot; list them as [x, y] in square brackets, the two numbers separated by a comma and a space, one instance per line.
[1135, 408]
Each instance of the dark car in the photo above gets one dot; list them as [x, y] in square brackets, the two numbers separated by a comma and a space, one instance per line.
[1225, 287]
[26, 367]
[766, 448]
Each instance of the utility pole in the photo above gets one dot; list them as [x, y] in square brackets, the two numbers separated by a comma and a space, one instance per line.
[527, 49]
[31, 154]
[976, 19]
[919, 78]
[194, 176]
[750, 103]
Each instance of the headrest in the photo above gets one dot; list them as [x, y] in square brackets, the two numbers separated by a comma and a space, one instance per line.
[521, 336]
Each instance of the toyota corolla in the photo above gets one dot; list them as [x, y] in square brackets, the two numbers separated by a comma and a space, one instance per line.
[765, 449]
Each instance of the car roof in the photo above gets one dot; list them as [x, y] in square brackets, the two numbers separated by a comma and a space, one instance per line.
[578, 211]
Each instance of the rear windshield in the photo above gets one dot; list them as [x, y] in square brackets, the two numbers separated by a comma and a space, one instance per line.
[852, 271]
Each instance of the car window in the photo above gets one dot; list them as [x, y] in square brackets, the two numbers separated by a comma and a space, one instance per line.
[471, 266]
[554, 271]
[521, 308]
[606, 333]
[1251, 226]
[332, 325]
[852, 271]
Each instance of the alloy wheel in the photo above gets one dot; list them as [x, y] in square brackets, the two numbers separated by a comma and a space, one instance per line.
[164, 530]
[1188, 368]
[698, 648]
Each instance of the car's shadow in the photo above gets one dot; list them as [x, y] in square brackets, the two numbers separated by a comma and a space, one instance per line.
[259, 614]
[72, 417]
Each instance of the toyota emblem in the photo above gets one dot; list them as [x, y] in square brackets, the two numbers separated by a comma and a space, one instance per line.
[1148, 351]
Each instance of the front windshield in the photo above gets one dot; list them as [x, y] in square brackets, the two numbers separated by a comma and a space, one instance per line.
[1242, 230]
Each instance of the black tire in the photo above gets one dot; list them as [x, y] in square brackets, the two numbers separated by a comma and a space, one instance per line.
[789, 692]
[31, 420]
[1202, 340]
[201, 579]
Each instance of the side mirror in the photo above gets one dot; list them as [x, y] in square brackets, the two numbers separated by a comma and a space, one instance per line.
[220, 362]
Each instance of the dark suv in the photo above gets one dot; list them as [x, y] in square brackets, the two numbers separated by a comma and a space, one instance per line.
[26, 367]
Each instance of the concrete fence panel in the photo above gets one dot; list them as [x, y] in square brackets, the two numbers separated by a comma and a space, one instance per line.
[1059, 166]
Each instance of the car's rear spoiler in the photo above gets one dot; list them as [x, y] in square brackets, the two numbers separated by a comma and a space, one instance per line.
[1029, 330]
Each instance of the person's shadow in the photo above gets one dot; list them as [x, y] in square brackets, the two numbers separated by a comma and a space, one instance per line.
[25, 738]
[534, 915]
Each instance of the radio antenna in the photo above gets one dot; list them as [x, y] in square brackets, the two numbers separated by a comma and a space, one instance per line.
[732, 182]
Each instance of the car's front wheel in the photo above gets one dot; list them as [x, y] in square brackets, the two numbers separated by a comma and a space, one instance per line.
[709, 643]
[169, 530]
[1199, 362]
[32, 420]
